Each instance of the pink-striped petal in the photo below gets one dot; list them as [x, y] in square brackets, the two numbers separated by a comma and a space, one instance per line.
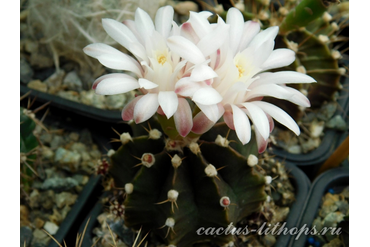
[187, 87]
[228, 117]
[169, 102]
[128, 111]
[242, 125]
[183, 117]
[261, 142]
[279, 115]
[115, 84]
[188, 32]
[146, 107]
[201, 122]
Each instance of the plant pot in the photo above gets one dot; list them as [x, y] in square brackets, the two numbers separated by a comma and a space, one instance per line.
[92, 189]
[302, 184]
[109, 116]
[299, 180]
[69, 227]
[310, 162]
[334, 180]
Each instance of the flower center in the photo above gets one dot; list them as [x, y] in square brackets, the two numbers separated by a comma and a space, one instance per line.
[161, 59]
[241, 70]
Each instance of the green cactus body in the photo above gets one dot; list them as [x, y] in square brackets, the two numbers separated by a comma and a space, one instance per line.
[178, 186]
[315, 56]
[28, 143]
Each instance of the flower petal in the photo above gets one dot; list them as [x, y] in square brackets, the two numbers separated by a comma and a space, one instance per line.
[279, 115]
[186, 49]
[279, 92]
[144, 24]
[98, 49]
[200, 23]
[168, 102]
[213, 40]
[113, 58]
[144, 83]
[146, 107]
[282, 77]
[183, 117]
[202, 72]
[201, 122]
[297, 97]
[120, 63]
[211, 111]
[128, 111]
[279, 58]
[251, 29]
[261, 142]
[262, 53]
[115, 84]
[259, 119]
[119, 32]
[207, 96]
[242, 125]
[228, 117]
[188, 32]
[187, 87]
[265, 35]
[130, 24]
[163, 20]
[236, 21]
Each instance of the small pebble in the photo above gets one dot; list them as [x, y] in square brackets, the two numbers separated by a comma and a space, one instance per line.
[51, 227]
[38, 85]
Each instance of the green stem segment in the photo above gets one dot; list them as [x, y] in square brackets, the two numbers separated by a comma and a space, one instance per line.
[303, 14]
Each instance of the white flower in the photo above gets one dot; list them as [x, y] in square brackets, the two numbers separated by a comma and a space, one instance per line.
[241, 81]
[156, 66]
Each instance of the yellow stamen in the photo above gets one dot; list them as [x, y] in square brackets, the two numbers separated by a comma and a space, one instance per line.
[241, 70]
[162, 59]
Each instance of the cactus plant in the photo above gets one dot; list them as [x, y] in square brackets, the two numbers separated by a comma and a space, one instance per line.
[175, 187]
[181, 171]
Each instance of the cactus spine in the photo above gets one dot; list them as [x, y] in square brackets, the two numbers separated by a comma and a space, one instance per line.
[28, 147]
[175, 187]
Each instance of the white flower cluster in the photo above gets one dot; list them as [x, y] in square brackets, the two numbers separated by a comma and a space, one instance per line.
[220, 66]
